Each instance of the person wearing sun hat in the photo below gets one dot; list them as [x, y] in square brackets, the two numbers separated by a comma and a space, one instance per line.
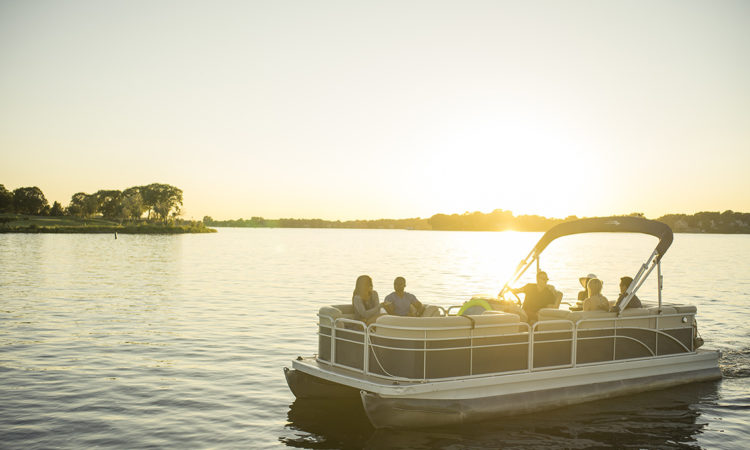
[584, 294]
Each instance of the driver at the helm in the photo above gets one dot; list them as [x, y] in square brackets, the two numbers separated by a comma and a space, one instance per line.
[538, 295]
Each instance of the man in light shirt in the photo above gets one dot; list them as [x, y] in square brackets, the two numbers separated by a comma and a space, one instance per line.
[400, 302]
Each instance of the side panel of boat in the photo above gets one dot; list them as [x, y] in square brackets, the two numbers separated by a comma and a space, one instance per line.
[303, 385]
[393, 412]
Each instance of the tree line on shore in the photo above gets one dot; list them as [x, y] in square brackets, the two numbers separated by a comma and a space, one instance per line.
[260, 222]
[498, 220]
[158, 202]
[727, 222]
[163, 202]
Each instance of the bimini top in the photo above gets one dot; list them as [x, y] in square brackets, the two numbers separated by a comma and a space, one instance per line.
[610, 225]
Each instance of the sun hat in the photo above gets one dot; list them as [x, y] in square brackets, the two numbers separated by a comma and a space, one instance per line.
[584, 280]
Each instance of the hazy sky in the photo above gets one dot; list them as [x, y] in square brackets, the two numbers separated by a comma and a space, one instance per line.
[350, 109]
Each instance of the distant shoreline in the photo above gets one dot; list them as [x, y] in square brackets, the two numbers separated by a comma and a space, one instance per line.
[706, 222]
[728, 222]
[104, 230]
[476, 231]
[12, 223]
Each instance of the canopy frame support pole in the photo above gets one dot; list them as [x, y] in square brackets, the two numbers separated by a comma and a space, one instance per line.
[640, 278]
[659, 280]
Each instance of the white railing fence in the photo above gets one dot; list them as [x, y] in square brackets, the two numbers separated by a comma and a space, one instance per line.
[355, 346]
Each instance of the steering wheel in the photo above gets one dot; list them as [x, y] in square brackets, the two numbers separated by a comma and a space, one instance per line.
[518, 299]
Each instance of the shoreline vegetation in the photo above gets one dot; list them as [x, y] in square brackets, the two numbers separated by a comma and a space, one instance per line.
[155, 209]
[727, 222]
[17, 223]
[150, 209]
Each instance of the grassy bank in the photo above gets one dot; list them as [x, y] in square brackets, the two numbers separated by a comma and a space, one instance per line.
[16, 223]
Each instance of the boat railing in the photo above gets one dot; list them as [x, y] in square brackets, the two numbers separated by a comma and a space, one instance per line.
[452, 310]
[412, 353]
[444, 343]
[618, 325]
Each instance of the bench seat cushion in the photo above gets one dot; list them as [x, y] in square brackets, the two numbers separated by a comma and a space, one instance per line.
[448, 326]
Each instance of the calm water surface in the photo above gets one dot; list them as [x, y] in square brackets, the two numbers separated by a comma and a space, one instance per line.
[180, 341]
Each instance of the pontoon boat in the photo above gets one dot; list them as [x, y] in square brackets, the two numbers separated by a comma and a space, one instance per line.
[453, 368]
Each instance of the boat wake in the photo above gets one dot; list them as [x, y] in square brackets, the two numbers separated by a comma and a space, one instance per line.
[735, 363]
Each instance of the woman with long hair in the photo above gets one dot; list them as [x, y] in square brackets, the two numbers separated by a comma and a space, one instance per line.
[596, 301]
[365, 300]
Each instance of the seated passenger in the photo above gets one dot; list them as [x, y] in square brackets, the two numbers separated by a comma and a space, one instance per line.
[365, 300]
[584, 294]
[401, 303]
[538, 296]
[596, 301]
[634, 302]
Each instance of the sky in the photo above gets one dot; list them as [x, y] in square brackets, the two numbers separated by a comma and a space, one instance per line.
[382, 109]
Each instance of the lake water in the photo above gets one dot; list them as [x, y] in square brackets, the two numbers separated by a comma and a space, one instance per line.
[180, 341]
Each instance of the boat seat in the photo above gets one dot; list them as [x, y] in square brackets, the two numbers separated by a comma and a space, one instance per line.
[685, 309]
[633, 317]
[328, 314]
[551, 314]
[347, 309]
[676, 321]
[513, 308]
[336, 312]
[630, 312]
[349, 347]
[576, 316]
[431, 311]
[447, 326]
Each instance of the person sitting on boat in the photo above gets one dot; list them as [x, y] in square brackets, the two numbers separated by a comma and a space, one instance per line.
[402, 303]
[365, 300]
[596, 301]
[538, 295]
[584, 294]
[634, 302]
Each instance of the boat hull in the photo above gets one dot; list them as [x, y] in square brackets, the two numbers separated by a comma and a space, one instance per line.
[415, 412]
[303, 385]
[451, 402]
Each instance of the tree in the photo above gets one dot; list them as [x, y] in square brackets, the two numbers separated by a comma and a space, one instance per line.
[83, 204]
[109, 203]
[29, 200]
[162, 199]
[56, 210]
[6, 200]
[132, 203]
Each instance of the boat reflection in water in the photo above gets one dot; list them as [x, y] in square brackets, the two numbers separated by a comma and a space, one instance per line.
[664, 418]
[339, 423]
